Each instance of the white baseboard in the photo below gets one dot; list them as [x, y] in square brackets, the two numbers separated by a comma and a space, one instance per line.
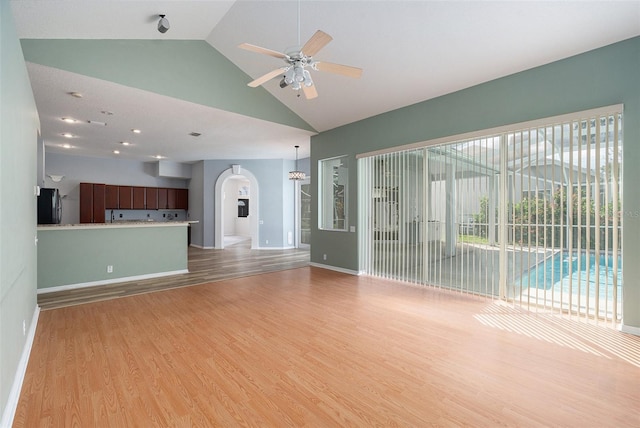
[630, 329]
[202, 247]
[337, 269]
[110, 281]
[9, 411]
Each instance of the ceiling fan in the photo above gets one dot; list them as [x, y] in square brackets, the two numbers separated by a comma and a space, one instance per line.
[298, 61]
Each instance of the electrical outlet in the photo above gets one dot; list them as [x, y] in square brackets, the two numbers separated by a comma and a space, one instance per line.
[109, 268]
[24, 328]
[324, 257]
[266, 242]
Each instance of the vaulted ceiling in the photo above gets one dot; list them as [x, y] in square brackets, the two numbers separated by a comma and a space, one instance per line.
[410, 51]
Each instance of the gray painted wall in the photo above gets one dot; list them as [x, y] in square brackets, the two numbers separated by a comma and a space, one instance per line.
[275, 198]
[19, 125]
[82, 169]
[602, 77]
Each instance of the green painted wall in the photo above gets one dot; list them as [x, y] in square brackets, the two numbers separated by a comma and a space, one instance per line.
[19, 126]
[190, 70]
[78, 256]
[606, 76]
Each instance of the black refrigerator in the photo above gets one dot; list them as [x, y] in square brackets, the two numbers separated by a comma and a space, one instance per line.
[49, 207]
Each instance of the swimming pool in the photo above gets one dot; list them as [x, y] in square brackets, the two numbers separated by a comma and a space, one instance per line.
[575, 273]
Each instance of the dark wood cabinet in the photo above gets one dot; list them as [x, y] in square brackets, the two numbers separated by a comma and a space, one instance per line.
[138, 198]
[152, 198]
[96, 198]
[98, 203]
[182, 199]
[92, 203]
[162, 198]
[111, 197]
[86, 203]
[171, 199]
[126, 197]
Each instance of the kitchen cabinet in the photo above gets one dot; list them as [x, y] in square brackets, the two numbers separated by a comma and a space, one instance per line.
[162, 198]
[86, 203]
[182, 199]
[92, 203]
[98, 203]
[138, 198]
[96, 198]
[171, 199]
[125, 193]
[152, 198]
[111, 197]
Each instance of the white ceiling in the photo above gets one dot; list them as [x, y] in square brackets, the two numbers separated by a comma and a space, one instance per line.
[410, 51]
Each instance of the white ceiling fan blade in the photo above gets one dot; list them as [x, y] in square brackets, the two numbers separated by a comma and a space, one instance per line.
[344, 70]
[319, 40]
[310, 92]
[262, 79]
[264, 51]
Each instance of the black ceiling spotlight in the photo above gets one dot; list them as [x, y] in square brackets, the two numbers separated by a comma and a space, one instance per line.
[163, 24]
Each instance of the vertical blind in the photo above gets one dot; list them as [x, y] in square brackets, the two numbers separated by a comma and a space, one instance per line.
[529, 214]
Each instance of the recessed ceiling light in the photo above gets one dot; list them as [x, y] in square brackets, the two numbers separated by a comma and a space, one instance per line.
[67, 135]
[135, 131]
[195, 134]
[75, 94]
[107, 112]
[125, 143]
[117, 152]
[158, 157]
[66, 146]
[69, 120]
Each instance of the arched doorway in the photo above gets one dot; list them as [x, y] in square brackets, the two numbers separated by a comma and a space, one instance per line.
[236, 172]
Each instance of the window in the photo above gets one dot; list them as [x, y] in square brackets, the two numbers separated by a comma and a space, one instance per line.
[333, 183]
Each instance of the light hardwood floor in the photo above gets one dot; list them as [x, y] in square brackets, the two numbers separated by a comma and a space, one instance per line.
[313, 347]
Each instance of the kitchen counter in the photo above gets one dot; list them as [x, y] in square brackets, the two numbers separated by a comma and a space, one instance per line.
[116, 224]
[93, 254]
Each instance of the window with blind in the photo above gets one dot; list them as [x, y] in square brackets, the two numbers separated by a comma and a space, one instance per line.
[528, 213]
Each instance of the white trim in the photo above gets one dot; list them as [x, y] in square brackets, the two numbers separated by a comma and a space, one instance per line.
[335, 268]
[110, 281]
[600, 111]
[202, 247]
[218, 207]
[630, 329]
[14, 393]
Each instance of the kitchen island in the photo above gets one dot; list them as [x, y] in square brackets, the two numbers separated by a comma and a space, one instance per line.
[83, 255]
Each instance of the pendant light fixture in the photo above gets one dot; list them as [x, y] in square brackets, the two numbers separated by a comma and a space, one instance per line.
[297, 175]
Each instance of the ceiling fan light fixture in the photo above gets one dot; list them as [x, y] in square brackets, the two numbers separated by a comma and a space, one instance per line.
[307, 79]
[288, 76]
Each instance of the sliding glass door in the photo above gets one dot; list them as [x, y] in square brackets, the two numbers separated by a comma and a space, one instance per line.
[529, 214]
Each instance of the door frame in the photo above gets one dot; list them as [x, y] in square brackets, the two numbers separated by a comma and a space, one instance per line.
[219, 205]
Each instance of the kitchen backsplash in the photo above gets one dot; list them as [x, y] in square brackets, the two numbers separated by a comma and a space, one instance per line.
[145, 215]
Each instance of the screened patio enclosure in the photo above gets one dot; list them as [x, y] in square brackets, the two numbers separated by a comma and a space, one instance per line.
[529, 214]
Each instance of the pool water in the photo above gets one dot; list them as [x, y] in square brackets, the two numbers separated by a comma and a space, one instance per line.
[575, 273]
